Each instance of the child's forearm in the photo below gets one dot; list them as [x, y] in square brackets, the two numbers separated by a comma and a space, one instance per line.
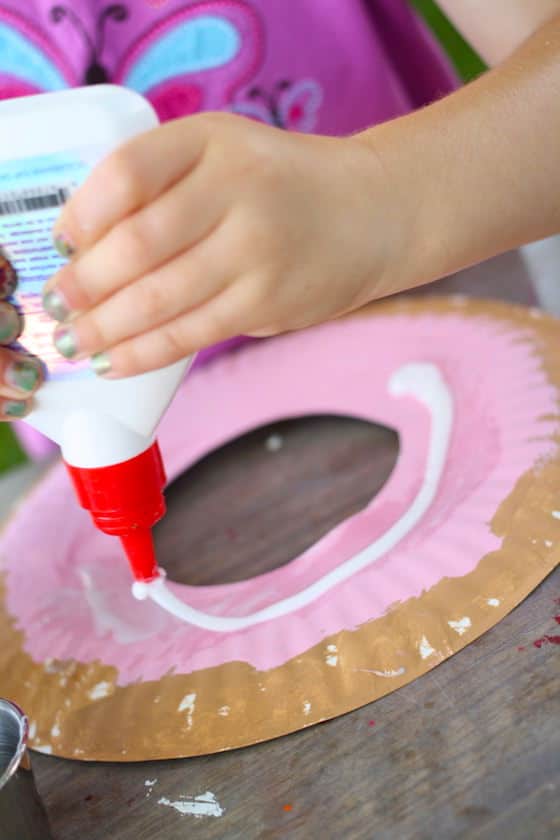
[301, 228]
[496, 28]
[477, 173]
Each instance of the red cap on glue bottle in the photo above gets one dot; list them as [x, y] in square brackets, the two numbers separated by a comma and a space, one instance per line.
[126, 500]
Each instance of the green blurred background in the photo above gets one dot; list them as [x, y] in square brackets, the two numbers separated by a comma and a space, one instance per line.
[466, 61]
[468, 66]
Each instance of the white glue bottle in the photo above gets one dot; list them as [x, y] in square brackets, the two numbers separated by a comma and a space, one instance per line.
[105, 428]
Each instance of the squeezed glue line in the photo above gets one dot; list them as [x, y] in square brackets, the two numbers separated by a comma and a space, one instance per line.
[420, 380]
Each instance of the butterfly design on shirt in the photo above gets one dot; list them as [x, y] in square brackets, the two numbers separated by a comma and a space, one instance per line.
[291, 105]
[195, 59]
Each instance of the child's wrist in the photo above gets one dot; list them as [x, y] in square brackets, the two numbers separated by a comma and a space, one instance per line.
[415, 250]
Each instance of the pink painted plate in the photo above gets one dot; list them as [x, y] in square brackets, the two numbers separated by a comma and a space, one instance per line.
[462, 531]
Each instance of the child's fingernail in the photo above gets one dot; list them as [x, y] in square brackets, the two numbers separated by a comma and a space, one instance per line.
[64, 245]
[55, 305]
[10, 324]
[15, 408]
[25, 375]
[8, 279]
[101, 364]
[66, 342]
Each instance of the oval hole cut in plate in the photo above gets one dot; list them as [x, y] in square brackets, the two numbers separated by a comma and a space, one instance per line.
[262, 499]
[465, 527]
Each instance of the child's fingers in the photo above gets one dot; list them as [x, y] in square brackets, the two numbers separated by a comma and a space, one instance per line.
[20, 375]
[8, 278]
[11, 410]
[157, 233]
[127, 179]
[177, 287]
[11, 324]
[221, 318]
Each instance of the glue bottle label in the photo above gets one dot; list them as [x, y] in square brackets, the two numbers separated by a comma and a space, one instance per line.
[32, 192]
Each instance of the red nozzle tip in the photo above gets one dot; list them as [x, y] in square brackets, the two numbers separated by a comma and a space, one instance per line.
[126, 500]
[139, 548]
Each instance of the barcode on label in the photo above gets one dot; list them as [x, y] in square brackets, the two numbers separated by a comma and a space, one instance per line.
[27, 201]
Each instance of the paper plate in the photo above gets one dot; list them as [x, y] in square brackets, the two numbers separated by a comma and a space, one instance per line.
[465, 527]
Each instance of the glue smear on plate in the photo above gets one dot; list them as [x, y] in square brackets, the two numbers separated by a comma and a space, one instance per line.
[420, 380]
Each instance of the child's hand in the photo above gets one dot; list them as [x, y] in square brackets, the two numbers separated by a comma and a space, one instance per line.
[20, 374]
[214, 226]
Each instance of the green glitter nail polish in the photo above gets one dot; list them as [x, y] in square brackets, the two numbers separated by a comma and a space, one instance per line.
[9, 325]
[23, 375]
[63, 246]
[66, 343]
[55, 305]
[14, 408]
[101, 364]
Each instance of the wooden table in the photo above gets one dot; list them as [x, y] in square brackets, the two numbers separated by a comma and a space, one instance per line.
[472, 749]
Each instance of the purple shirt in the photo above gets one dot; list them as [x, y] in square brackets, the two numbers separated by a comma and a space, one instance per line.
[328, 66]
[322, 66]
